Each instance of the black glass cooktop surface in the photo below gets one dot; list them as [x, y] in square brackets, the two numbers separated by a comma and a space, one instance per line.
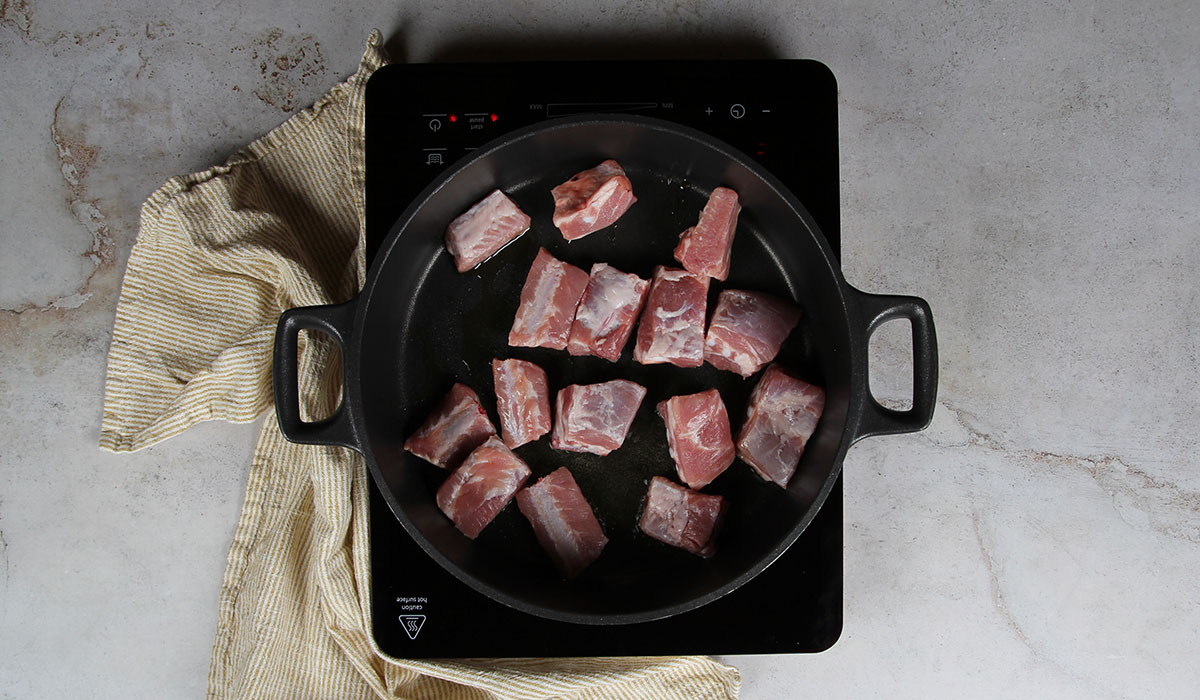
[421, 118]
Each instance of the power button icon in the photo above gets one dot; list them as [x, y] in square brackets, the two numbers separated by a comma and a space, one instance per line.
[737, 111]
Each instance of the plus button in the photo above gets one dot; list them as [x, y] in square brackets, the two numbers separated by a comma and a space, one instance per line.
[708, 111]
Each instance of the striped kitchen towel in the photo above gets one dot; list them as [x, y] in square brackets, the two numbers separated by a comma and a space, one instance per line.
[219, 255]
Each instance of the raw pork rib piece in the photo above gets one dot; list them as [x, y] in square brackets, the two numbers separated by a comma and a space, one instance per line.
[672, 325]
[698, 436]
[591, 200]
[682, 517]
[605, 316]
[595, 417]
[478, 233]
[563, 521]
[781, 417]
[747, 330]
[522, 400]
[548, 300]
[482, 486]
[705, 248]
[458, 425]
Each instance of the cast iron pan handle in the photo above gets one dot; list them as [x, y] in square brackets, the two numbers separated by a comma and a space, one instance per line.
[336, 320]
[873, 311]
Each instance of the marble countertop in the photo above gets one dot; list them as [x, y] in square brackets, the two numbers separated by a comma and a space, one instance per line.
[1031, 169]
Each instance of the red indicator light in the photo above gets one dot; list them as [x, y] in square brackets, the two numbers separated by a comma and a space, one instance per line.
[453, 117]
[495, 117]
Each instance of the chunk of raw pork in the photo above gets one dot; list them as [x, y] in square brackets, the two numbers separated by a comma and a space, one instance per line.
[747, 330]
[522, 400]
[592, 200]
[458, 425]
[480, 232]
[706, 248]
[477, 491]
[672, 324]
[682, 517]
[595, 418]
[781, 417]
[548, 300]
[605, 316]
[698, 436]
[563, 521]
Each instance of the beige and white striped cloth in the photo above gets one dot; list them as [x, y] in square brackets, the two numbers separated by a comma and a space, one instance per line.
[219, 255]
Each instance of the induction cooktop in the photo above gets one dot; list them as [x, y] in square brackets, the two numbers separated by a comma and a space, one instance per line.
[420, 119]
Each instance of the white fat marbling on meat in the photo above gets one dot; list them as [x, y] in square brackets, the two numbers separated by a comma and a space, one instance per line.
[484, 229]
[596, 417]
[542, 299]
[602, 312]
[674, 336]
[782, 416]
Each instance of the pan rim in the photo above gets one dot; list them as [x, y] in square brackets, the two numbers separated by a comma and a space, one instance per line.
[354, 349]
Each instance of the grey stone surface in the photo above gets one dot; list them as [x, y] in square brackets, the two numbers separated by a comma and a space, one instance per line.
[1032, 169]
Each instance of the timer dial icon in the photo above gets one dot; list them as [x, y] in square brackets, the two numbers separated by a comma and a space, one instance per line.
[737, 111]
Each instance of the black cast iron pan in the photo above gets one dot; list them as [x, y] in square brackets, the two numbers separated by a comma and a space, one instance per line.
[418, 326]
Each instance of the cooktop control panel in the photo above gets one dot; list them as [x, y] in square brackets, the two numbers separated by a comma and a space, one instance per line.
[420, 120]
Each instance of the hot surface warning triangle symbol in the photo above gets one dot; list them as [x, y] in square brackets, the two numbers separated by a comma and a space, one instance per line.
[412, 624]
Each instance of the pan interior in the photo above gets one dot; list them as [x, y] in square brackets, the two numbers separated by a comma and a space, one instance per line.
[426, 326]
